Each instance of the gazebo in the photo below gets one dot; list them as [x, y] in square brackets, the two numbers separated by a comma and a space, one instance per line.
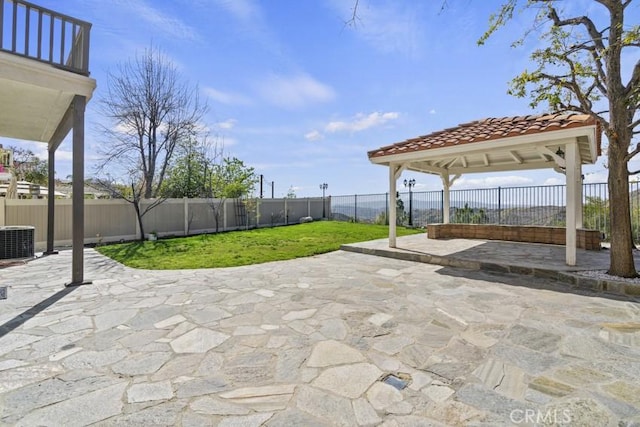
[563, 142]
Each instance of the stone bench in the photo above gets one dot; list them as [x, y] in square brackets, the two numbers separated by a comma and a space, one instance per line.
[586, 239]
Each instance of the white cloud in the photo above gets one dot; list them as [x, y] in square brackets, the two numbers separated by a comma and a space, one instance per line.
[432, 111]
[492, 181]
[170, 25]
[227, 124]
[295, 91]
[314, 135]
[596, 177]
[361, 122]
[554, 181]
[228, 98]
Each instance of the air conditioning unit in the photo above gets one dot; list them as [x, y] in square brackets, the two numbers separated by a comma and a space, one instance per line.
[17, 242]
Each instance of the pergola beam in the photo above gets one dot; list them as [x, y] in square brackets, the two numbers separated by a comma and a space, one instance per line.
[516, 157]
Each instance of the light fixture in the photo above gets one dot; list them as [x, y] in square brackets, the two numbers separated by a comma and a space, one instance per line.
[559, 152]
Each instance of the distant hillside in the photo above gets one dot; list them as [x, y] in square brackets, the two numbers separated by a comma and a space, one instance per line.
[535, 215]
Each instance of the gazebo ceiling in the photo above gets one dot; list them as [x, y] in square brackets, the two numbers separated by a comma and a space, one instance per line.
[496, 144]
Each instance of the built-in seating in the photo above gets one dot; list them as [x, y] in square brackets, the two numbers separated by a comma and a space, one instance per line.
[586, 239]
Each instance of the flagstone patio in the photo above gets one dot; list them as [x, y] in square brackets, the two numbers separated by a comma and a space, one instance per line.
[312, 342]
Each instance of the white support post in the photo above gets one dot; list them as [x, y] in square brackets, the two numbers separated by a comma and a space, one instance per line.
[573, 181]
[394, 173]
[446, 202]
[392, 205]
[2, 210]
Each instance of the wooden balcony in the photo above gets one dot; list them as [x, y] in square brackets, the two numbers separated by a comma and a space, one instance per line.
[44, 63]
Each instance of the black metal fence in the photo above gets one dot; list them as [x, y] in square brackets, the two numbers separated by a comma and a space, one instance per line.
[532, 205]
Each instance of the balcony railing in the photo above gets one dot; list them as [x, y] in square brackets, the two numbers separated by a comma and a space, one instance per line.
[42, 34]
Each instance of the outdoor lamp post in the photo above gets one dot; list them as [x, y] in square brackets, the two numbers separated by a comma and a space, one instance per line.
[323, 187]
[410, 183]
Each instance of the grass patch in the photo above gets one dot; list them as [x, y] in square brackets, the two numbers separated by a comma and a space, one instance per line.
[237, 248]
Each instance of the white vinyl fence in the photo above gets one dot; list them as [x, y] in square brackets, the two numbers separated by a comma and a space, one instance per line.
[112, 220]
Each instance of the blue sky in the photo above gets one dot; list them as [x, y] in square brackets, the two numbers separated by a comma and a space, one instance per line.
[301, 97]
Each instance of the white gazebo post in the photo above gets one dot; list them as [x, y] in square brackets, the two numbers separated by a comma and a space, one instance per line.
[574, 199]
[392, 206]
[446, 200]
[394, 173]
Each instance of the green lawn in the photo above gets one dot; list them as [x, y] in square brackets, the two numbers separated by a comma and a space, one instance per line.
[245, 247]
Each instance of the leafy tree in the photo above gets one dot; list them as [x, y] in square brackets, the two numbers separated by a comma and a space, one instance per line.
[152, 113]
[596, 214]
[190, 173]
[579, 68]
[468, 215]
[291, 194]
[230, 179]
[401, 214]
[29, 167]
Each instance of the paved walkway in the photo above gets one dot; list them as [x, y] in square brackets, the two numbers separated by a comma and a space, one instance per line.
[321, 341]
[539, 260]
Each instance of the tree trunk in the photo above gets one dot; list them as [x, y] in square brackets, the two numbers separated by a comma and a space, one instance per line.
[136, 205]
[621, 263]
[619, 136]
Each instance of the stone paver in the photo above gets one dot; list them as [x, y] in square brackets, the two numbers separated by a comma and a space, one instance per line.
[309, 342]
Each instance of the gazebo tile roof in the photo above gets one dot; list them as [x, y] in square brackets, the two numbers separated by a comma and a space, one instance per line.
[487, 130]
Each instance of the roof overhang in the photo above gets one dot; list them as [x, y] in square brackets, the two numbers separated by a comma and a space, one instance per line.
[531, 151]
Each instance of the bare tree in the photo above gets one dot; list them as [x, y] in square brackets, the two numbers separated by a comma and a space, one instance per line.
[152, 112]
[132, 193]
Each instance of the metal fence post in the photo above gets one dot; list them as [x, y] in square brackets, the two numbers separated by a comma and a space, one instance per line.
[355, 208]
[386, 206]
[441, 206]
[499, 205]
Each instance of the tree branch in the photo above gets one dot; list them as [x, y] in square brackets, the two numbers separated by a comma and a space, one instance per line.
[632, 153]
[591, 28]
[634, 81]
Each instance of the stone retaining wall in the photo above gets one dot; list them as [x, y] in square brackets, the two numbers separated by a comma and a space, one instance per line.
[586, 239]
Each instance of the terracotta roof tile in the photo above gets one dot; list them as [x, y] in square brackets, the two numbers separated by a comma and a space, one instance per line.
[487, 130]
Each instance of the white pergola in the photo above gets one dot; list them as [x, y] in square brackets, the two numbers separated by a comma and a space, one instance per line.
[563, 142]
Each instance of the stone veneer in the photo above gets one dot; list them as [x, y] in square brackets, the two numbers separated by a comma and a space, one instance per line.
[586, 239]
